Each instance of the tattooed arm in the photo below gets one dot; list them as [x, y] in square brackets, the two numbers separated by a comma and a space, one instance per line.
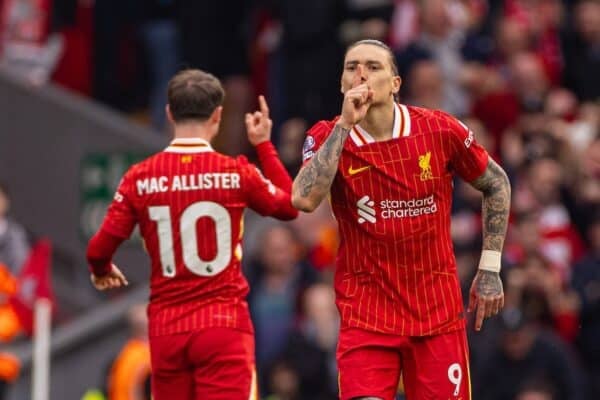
[314, 180]
[487, 295]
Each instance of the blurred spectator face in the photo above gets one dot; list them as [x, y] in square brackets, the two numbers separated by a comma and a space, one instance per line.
[426, 84]
[4, 203]
[594, 236]
[319, 303]
[528, 233]
[587, 20]
[511, 38]
[435, 18]
[321, 314]
[138, 320]
[545, 177]
[538, 275]
[561, 103]
[278, 250]
[291, 136]
[518, 342]
[549, 13]
[284, 382]
[590, 160]
[376, 70]
[529, 77]
[534, 395]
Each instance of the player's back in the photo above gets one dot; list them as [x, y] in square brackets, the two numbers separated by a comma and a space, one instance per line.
[189, 201]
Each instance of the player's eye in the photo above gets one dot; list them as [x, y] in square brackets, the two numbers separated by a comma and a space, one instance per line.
[350, 67]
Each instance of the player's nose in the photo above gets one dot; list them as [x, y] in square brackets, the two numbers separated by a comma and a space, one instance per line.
[360, 76]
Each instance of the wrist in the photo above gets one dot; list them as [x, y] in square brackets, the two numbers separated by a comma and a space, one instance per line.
[490, 261]
[344, 124]
[264, 145]
[100, 270]
[256, 144]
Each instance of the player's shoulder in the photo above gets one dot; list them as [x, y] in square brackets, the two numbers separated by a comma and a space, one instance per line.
[322, 128]
[423, 119]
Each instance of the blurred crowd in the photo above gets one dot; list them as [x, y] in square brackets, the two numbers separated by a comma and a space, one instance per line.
[524, 75]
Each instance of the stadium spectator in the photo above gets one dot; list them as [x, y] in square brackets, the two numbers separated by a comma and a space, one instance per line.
[311, 348]
[392, 319]
[214, 37]
[199, 327]
[582, 58]
[277, 279]
[129, 376]
[586, 281]
[526, 352]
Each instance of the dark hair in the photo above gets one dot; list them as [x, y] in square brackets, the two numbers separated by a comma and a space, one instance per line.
[380, 44]
[194, 95]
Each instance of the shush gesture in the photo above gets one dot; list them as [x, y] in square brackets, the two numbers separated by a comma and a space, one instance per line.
[113, 279]
[259, 124]
[357, 100]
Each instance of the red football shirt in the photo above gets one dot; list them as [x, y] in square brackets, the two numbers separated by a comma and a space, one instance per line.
[188, 201]
[396, 271]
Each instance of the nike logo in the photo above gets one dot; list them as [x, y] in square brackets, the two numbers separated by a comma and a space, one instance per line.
[352, 171]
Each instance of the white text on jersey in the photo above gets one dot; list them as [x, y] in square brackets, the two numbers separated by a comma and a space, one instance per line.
[214, 180]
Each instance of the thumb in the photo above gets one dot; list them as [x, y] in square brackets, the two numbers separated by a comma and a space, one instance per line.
[119, 275]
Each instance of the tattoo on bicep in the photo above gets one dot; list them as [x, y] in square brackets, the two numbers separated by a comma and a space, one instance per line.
[495, 187]
[321, 169]
[489, 283]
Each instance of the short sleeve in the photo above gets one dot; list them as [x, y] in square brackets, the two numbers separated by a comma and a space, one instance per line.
[315, 137]
[468, 158]
[121, 217]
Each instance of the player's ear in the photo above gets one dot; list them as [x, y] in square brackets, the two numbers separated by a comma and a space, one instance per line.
[169, 115]
[396, 83]
[215, 117]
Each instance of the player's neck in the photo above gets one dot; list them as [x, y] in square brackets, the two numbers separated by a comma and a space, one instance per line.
[191, 130]
[379, 121]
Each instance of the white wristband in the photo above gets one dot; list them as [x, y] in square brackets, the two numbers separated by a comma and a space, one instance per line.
[490, 260]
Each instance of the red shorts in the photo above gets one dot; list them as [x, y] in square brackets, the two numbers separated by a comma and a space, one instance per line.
[211, 364]
[432, 367]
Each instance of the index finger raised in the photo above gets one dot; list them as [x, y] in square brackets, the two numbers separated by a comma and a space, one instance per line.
[264, 108]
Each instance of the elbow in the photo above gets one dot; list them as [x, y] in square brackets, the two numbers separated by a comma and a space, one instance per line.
[303, 203]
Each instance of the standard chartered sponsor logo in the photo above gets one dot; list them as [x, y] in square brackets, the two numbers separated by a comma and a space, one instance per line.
[366, 212]
[407, 208]
[395, 208]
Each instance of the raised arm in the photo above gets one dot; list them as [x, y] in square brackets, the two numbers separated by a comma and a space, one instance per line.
[487, 295]
[258, 127]
[314, 179]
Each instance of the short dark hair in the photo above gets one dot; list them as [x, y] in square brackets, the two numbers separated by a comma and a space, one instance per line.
[380, 44]
[194, 95]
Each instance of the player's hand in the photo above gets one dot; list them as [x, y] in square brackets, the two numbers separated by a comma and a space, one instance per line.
[114, 279]
[486, 296]
[357, 101]
[258, 124]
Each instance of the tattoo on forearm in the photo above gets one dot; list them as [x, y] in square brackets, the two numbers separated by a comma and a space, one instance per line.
[488, 283]
[320, 171]
[496, 205]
